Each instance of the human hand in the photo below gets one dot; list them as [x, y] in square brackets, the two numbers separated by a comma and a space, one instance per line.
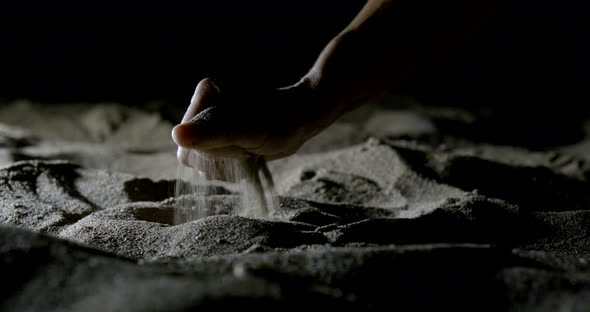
[238, 122]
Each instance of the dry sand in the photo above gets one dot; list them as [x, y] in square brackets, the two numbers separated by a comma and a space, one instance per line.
[388, 210]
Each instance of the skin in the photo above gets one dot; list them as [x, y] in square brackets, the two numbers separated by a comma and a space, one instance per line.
[388, 42]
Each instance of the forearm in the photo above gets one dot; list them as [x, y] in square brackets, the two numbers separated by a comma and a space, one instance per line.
[390, 41]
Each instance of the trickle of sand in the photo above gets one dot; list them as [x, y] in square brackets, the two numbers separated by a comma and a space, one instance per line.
[199, 184]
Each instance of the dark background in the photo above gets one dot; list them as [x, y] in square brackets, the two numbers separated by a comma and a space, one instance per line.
[533, 55]
[144, 52]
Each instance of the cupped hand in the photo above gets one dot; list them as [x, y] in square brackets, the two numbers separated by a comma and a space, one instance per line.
[245, 122]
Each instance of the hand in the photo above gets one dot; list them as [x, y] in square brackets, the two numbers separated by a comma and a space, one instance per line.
[238, 122]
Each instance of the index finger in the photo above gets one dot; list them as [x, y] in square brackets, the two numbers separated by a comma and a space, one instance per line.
[206, 94]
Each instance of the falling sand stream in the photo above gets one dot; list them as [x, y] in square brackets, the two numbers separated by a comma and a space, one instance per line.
[202, 188]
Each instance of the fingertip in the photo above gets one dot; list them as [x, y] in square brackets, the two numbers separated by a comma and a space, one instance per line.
[182, 155]
[183, 136]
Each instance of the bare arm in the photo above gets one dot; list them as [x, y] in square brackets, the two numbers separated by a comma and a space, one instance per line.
[387, 42]
[390, 41]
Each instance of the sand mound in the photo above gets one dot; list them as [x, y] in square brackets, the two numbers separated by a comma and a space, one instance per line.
[372, 217]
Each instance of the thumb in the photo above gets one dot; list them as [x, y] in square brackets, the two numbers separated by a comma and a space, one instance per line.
[208, 130]
[207, 94]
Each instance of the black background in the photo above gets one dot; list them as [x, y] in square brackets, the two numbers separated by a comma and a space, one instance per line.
[534, 54]
[136, 53]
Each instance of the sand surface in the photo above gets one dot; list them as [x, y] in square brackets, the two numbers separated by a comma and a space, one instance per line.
[386, 209]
